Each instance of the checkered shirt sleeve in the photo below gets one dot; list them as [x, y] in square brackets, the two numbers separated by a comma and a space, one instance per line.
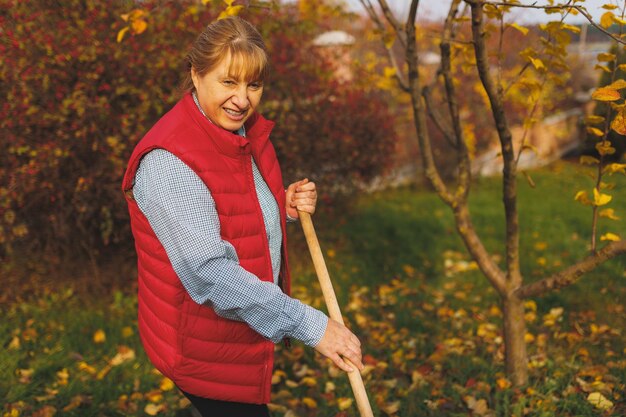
[182, 213]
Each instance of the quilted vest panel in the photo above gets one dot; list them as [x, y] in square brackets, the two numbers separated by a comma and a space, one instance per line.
[204, 354]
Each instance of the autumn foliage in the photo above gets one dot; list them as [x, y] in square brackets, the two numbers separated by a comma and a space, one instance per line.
[82, 83]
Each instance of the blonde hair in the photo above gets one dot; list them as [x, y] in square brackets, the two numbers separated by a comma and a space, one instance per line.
[230, 37]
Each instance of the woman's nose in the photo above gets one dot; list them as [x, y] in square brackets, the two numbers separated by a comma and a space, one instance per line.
[240, 98]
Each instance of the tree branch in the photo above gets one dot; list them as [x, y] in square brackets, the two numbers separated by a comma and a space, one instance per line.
[475, 247]
[464, 173]
[397, 27]
[581, 9]
[402, 83]
[437, 118]
[571, 274]
[494, 92]
[419, 117]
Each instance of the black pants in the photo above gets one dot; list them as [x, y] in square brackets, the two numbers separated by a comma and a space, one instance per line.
[215, 408]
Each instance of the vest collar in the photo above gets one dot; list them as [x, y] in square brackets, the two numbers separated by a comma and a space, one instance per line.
[257, 131]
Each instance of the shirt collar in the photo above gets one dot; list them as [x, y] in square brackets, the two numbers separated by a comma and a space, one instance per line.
[241, 131]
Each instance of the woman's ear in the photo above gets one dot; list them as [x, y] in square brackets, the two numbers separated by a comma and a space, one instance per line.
[194, 78]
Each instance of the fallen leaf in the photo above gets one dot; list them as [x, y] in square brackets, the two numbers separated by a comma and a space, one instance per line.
[599, 401]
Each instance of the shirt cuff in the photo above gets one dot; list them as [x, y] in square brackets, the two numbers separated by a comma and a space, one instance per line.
[291, 219]
[312, 328]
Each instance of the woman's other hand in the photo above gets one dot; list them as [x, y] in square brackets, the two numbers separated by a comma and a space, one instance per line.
[301, 195]
[338, 343]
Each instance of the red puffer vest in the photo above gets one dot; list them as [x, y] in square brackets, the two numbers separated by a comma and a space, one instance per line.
[204, 354]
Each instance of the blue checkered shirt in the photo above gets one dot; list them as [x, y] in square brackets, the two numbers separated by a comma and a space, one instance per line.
[182, 213]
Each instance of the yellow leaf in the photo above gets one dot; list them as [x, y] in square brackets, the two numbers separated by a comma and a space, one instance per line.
[595, 131]
[594, 120]
[619, 20]
[205, 2]
[229, 3]
[606, 94]
[153, 409]
[84, 366]
[389, 72]
[607, 20]
[503, 383]
[166, 384]
[154, 396]
[391, 408]
[309, 402]
[588, 160]
[14, 344]
[606, 57]
[309, 381]
[603, 68]
[622, 67]
[127, 332]
[389, 38]
[609, 6]
[121, 33]
[610, 236]
[571, 28]
[600, 199]
[99, 336]
[615, 168]
[124, 354]
[608, 213]
[605, 148]
[230, 11]
[582, 197]
[617, 84]
[537, 63]
[619, 123]
[139, 26]
[344, 403]
[599, 401]
[522, 29]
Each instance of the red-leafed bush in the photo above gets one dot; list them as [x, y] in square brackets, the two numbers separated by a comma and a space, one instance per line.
[75, 101]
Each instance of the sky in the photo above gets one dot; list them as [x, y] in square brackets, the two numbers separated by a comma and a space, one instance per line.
[437, 9]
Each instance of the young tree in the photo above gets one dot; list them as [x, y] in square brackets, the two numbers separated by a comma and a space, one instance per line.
[546, 65]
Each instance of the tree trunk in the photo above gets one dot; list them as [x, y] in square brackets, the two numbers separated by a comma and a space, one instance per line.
[516, 357]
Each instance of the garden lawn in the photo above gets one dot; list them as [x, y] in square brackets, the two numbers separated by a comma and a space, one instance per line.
[429, 323]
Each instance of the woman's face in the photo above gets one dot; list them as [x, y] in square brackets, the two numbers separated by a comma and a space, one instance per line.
[228, 102]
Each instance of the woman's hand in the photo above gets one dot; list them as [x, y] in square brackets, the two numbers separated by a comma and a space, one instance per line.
[338, 341]
[301, 195]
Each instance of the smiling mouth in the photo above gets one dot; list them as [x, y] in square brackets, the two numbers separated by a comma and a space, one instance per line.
[235, 113]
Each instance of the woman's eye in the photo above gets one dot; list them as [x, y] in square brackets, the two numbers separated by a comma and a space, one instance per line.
[255, 86]
[228, 82]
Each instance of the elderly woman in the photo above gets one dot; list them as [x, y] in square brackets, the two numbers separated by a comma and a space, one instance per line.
[208, 212]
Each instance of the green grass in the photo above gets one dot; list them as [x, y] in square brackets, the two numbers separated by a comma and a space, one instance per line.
[430, 334]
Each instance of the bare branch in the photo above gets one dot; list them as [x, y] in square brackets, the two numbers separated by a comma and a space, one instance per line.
[571, 274]
[581, 9]
[475, 247]
[437, 118]
[494, 92]
[397, 27]
[462, 153]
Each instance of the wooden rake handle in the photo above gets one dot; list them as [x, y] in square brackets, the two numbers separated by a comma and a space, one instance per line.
[365, 410]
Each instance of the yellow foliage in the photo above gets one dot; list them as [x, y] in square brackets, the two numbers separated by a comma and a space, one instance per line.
[611, 237]
[522, 29]
[619, 123]
[166, 384]
[121, 33]
[607, 20]
[617, 84]
[599, 401]
[583, 198]
[594, 120]
[589, 160]
[606, 57]
[605, 148]
[609, 213]
[606, 94]
[153, 409]
[99, 336]
[309, 402]
[600, 199]
[344, 403]
[595, 131]
[615, 168]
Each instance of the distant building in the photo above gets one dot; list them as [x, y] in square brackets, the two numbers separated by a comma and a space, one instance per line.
[336, 46]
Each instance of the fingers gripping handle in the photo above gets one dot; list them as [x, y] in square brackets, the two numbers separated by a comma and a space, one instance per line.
[358, 388]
